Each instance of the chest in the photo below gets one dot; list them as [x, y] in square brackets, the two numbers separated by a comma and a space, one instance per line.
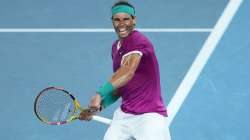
[117, 54]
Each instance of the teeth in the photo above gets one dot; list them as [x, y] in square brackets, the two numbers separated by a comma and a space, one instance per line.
[122, 30]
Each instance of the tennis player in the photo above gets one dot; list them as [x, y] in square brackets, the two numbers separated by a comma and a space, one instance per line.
[142, 114]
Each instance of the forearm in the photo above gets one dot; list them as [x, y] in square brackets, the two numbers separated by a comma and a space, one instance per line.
[121, 77]
[109, 99]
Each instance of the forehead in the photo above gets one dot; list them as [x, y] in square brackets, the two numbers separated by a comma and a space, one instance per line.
[121, 15]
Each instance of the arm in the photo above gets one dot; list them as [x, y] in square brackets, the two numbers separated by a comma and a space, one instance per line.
[109, 99]
[120, 78]
[127, 70]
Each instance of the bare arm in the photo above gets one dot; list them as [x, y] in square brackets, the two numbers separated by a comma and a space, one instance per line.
[127, 70]
[120, 78]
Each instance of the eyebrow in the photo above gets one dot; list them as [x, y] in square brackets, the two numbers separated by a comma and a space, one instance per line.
[125, 18]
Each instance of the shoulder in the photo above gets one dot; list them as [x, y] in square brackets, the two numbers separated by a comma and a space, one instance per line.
[138, 42]
[114, 44]
[136, 39]
[139, 38]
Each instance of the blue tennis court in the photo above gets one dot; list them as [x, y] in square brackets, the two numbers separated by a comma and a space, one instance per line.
[38, 48]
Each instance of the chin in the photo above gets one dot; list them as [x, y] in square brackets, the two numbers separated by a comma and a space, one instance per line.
[124, 35]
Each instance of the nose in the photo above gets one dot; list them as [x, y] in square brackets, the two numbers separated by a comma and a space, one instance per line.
[121, 22]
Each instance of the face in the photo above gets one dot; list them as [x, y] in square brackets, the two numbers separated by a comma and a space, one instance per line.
[123, 24]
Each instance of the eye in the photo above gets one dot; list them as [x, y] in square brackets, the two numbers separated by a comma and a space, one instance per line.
[126, 19]
[116, 19]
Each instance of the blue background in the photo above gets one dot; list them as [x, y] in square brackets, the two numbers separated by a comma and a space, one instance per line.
[217, 107]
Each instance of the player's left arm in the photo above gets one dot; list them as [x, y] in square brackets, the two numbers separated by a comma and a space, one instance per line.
[127, 70]
[107, 93]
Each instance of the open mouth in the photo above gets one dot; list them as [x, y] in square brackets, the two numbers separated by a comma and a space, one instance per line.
[122, 30]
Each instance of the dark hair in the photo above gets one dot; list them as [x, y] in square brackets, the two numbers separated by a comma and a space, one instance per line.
[123, 2]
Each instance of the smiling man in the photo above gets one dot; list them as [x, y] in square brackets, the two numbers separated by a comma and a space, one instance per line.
[136, 79]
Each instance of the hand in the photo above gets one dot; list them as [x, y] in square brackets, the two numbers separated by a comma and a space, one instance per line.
[94, 107]
[96, 101]
[87, 114]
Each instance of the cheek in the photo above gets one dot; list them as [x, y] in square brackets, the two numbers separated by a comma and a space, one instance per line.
[131, 25]
[134, 22]
[114, 24]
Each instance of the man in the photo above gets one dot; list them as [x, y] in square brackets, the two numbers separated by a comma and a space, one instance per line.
[142, 115]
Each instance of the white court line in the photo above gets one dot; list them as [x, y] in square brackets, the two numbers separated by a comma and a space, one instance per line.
[98, 30]
[209, 46]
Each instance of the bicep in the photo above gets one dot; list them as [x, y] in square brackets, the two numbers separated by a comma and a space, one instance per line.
[131, 62]
[126, 71]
